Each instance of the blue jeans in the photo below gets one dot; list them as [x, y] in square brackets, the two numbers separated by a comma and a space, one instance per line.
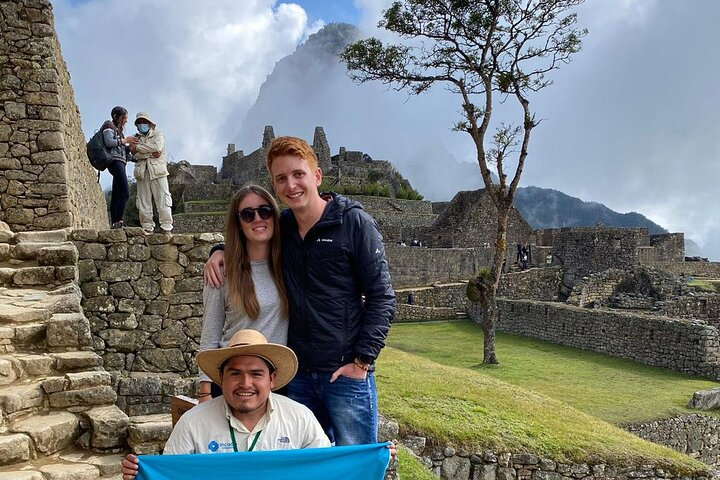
[346, 408]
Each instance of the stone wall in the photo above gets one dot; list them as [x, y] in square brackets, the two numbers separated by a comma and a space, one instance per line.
[694, 435]
[450, 463]
[597, 289]
[418, 313]
[701, 306]
[413, 266]
[451, 295]
[143, 297]
[533, 284]
[583, 251]
[689, 346]
[696, 269]
[470, 220]
[669, 247]
[46, 180]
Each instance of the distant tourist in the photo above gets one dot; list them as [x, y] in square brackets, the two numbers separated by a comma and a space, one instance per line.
[415, 243]
[332, 255]
[519, 250]
[523, 257]
[254, 294]
[549, 259]
[151, 174]
[117, 145]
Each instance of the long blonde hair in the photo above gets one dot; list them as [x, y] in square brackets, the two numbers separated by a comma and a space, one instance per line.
[241, 288]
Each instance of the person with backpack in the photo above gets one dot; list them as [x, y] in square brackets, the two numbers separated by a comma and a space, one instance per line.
[117, 145]
[151, 174]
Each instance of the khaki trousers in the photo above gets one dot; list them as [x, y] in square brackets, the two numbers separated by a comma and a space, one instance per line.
[156, 189]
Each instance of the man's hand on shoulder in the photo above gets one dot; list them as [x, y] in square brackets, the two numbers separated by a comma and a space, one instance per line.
[214, 271]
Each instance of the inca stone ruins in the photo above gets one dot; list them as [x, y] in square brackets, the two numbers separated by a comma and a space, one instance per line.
[99, 328]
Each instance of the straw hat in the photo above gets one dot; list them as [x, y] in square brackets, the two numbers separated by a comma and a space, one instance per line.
[251, 342]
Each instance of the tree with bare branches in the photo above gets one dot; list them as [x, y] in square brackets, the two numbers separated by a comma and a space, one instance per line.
[487, 52]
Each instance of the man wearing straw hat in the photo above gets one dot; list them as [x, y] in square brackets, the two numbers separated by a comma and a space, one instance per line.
[248, 416]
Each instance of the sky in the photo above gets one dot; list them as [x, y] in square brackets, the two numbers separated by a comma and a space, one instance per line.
[631, 122]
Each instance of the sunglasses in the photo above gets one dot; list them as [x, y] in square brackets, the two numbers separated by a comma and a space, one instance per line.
[247, 215]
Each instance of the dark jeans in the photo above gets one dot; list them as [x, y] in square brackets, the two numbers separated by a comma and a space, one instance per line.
[120, 191]
[346, 408]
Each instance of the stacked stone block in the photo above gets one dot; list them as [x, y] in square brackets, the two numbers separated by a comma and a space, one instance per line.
[46, 181]
[448, 462]
[143, 297]
[535, 284]
[54, 394]
[414, 266]
[688, 346]
[694, 435]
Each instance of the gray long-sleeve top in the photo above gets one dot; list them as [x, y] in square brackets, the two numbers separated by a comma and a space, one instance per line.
[221, 321]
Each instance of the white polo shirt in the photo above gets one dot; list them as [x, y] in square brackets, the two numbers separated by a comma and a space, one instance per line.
[286, 425]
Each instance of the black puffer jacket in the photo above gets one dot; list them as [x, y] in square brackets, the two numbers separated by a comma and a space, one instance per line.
[326, 274]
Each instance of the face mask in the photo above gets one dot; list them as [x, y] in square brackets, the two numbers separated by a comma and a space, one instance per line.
[143, 128]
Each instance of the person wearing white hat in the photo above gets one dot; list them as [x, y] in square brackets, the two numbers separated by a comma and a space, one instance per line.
[151, 174]
[248, 416]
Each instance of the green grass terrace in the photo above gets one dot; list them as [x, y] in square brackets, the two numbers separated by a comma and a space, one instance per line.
[557, 402]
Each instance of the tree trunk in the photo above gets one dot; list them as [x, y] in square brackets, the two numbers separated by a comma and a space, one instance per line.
[490, 308]
[488, 326]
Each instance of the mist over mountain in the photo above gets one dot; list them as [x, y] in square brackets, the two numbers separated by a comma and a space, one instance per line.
[548, 208]
[311, 88]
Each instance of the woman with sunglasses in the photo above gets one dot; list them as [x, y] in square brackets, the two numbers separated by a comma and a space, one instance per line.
[254, 294]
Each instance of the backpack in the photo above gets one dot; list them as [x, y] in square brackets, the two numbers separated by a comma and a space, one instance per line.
[98, 153]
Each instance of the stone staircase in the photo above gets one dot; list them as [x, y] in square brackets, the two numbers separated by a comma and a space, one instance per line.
[58, 418]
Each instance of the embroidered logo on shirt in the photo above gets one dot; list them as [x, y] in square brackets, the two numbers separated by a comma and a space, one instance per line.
[283, 440]
[324, 240]
[213, 446]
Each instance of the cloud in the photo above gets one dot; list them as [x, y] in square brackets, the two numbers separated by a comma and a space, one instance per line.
[188, 63]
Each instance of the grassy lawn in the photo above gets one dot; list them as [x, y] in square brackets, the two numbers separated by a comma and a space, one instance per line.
[611, 389]
[410, 468]
[472, 410]
[705, 285]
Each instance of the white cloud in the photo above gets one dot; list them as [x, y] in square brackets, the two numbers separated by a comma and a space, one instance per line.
[190, 64]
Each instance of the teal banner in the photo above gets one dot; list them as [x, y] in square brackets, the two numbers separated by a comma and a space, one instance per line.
[357, 462]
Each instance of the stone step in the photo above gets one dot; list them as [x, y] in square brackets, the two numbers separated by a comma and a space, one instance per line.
[14, 448]
[68, 331]
[14, 314]
[47, 236]
[202, 207]
[26, 337]
[26, 366]
[67, 464]
[71, 361]
[50, 432]
[147, 434]
[19, 399]
[108, 428]
[31, 250]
